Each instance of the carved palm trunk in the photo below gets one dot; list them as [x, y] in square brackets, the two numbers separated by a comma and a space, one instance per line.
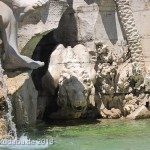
[131, 33]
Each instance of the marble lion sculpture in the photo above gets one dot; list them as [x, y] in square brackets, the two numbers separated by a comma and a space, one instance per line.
[75, 86]
[10, 12]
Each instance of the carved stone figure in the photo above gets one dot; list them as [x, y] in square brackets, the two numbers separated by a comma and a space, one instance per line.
[10, 12]
[76, 90]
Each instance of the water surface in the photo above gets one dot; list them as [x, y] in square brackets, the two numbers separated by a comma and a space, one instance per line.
[97, 135]
[92, 135]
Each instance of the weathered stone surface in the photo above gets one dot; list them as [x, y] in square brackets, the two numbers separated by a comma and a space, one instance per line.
[23, 96]
[117, 78]
[25, 104]
[140, 113]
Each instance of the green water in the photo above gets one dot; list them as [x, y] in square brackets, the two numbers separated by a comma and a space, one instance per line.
[96, 135]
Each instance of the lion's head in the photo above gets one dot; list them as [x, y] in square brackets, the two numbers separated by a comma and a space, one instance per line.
[75, 88]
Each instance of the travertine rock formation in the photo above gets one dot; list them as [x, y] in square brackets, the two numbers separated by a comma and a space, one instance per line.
[23, 96]
[140, 113]
[116, 82]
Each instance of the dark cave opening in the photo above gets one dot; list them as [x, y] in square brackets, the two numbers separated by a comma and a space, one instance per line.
[65, 34]
[42, 53]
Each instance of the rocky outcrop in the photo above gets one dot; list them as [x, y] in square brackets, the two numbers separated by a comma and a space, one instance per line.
[23, 96]
[140, 113]
[120, 84]
[120, 79]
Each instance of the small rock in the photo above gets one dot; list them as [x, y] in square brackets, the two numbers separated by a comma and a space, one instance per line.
[140, 113]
